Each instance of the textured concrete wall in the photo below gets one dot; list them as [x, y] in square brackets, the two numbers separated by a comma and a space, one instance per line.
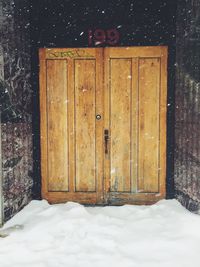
[16, 105]
[187, 115]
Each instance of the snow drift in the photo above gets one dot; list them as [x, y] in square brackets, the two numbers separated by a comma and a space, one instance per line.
[71, 235]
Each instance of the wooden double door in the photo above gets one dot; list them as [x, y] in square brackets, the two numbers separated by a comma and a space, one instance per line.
[103, 124]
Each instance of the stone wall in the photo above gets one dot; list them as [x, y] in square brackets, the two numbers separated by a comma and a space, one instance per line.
[187, 114]
[16, 105]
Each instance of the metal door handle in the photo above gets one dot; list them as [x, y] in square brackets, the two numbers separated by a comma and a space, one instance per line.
[106, 138]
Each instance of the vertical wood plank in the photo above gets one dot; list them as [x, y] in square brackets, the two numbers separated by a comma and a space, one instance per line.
[43, 123]
[85, 87]
[149, 101]
[71, 124]
[163, 121]
[99, 124]
[106, 60]
[120, 105]
[57, 125]
[134, 125]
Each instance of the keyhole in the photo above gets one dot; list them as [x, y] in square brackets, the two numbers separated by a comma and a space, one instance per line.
[98, 116]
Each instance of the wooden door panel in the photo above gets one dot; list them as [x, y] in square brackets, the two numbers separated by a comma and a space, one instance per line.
[149, 112]
[71, 137]
[120, 124]
[85, 125]
[57, 147]
[135, 97]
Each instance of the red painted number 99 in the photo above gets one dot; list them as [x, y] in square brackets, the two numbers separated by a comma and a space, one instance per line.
[99, 37]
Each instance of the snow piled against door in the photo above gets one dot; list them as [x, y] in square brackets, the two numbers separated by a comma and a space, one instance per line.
[164, 234]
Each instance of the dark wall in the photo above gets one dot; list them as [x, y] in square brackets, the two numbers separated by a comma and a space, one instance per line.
[65, 23]
[187, 118]
[16, 105]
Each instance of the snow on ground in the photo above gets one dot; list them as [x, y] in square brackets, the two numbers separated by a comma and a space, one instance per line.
[71, 235]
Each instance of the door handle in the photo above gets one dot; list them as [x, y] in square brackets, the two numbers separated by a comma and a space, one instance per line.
[106, 139]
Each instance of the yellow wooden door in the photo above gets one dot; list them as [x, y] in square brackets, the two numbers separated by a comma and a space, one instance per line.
[135, 117]
[71, 95]
[103, 124]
